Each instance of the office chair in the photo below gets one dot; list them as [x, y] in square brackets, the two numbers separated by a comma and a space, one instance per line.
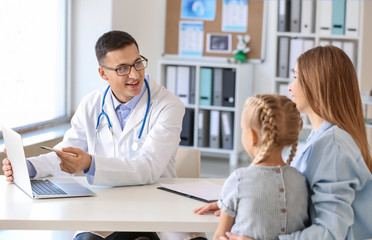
[188, 162]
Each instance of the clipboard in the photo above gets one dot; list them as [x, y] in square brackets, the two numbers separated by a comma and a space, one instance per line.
[203, 190]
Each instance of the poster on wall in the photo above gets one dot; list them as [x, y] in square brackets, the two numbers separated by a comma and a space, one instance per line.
[234, 15]
[198, 9]
[191, 38]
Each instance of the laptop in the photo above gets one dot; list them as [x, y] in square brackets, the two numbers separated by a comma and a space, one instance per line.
[41, 188]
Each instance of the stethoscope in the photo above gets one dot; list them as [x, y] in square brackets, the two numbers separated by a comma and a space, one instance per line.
[137, 143]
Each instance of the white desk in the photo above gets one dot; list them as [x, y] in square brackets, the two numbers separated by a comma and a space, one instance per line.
[135, 208]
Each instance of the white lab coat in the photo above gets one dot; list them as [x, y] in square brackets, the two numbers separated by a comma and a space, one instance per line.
[156, 158]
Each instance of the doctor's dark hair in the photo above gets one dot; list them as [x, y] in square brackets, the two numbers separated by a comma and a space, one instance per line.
[110, 41]
[277, 122]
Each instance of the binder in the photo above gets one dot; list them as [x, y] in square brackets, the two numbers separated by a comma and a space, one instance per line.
[203, 128]
[337, 43]
[227, 130]
[192, 85]
[307, 16]
[283, 15]
[308, 44]
[283, 90]
[295, 50]
[325, 18]
[214, 140]
[338, 17]
[217, 86]
[183, 83]
[283, 57]
[205, 86]
[228, 90]
[295, 16]
[187, 133]
[171, 78]
[324, 42]
[349, 49]
[352, 19]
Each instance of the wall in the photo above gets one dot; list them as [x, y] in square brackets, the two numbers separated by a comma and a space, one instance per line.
[366, 72]
[145, 21]
[90, 19]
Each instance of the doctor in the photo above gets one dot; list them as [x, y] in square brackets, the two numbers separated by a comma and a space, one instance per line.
[125, 134]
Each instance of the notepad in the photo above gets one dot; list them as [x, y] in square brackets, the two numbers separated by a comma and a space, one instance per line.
[203, 190]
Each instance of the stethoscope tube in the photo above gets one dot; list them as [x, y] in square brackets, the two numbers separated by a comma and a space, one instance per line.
[147, 108]
[103, 113]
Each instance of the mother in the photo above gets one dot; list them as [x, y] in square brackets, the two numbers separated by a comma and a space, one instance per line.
[336, 159]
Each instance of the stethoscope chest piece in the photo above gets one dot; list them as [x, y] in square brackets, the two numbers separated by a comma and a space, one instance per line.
[135, 146]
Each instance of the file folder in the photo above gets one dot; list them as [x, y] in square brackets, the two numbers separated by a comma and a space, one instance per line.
[337, 43]
[325, 18]
[283, 57]
[192, 85]
[324, 42]
[205, 86]
[203, 128]
[308, 44]
[171, 78]
[228, 91]
[217, 86]
[187, 133]
[214, 140]
[283, 90]
[295, 16]
[183, 83]
[227, 130]
[307, 16]
[349, 49]
[352, 18]
[296, 48]
[338, 17]
[283, 15]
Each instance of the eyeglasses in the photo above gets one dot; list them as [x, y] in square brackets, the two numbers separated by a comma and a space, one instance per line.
[125, 69]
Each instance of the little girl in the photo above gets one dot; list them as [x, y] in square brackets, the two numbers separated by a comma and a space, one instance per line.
[267, 198]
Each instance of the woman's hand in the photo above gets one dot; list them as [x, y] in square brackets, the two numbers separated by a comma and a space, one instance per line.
[210, 207]
[234, 237]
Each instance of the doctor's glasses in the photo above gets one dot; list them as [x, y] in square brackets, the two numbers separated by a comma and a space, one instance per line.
[124, 70]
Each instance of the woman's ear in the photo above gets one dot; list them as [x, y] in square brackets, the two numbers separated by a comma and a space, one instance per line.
[102, 73]
[254, 136]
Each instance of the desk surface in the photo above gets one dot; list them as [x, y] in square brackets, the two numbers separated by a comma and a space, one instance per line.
[133, 208]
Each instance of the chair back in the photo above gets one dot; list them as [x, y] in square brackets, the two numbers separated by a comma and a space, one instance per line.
[188, 162]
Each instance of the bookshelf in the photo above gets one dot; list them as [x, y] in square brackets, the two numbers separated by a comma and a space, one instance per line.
[367, 102]
[302, 25]
[237, 85]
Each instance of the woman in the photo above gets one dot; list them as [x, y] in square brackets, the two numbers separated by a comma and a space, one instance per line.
[336, 159]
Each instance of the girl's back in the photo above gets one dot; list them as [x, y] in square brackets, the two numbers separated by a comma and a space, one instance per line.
[266, 201]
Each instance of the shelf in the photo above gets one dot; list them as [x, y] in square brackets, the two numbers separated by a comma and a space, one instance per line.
[199, 113]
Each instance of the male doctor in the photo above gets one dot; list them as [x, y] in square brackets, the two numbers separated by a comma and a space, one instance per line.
[125, 134]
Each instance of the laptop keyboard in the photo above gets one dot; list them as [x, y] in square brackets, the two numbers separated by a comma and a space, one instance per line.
[46, 187]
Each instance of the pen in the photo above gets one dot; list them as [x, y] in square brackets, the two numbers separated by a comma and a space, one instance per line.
[54, 150]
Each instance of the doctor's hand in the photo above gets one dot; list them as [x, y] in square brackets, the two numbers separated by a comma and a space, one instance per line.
[73, 164]
[210, 207]
[7, 169]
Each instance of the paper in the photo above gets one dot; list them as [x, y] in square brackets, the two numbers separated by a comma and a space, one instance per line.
[191, 35]
[199, 9]
[203, 190]
[235, 16]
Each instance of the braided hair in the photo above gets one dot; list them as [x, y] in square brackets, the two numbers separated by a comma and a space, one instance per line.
[276, 120]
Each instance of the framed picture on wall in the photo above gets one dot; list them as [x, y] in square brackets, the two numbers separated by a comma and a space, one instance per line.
[218, 43]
